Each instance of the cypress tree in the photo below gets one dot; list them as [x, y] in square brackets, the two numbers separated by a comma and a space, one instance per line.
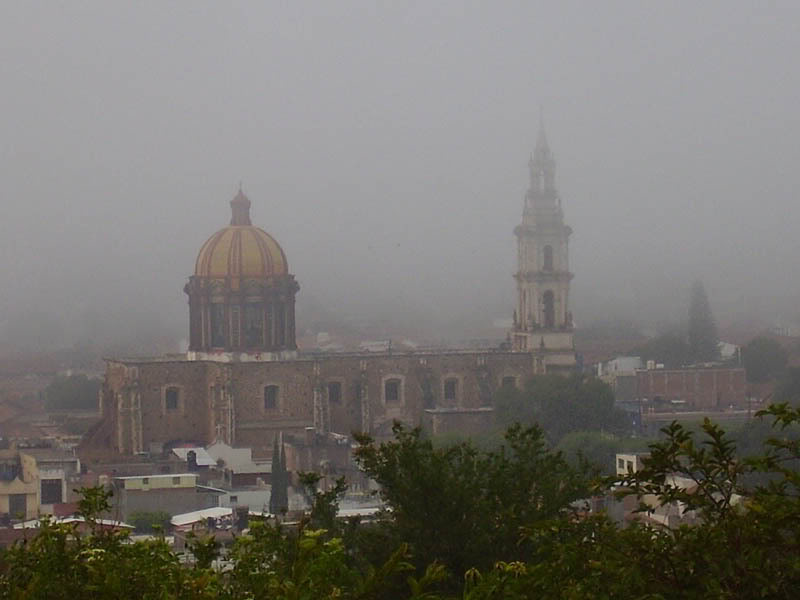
[279, 497]
[703, 340]
[276, 476]
[283, 506]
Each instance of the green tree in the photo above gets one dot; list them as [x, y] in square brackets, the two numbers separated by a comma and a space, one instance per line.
[703, 340]
[561, 405]
[669, 349]
[63, 562]
[150, 521]
[72, 392]
[464, 507]
[599, 449]
[763, 359]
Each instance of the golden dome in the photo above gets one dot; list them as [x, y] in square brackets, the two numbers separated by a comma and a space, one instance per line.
[241, 250]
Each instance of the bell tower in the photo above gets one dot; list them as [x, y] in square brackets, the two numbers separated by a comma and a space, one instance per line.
[542, 320]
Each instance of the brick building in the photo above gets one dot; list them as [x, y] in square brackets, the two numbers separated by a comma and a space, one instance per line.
[692, 389]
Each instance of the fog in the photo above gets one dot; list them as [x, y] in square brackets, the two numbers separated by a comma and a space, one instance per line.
[385, 147]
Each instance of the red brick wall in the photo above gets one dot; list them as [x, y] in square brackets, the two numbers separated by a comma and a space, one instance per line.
[701, 389]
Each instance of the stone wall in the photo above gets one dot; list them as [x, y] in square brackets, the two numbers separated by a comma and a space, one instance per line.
[226, 401]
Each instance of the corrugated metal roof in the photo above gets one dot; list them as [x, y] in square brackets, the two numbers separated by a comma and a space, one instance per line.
[34, 523]
[197, 516]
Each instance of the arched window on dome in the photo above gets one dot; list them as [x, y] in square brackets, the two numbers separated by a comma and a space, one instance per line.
[217, 314]
[254, 325]
[280, 324]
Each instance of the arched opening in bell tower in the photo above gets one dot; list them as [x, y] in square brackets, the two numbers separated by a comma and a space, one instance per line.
[549, 310]
[548, 258]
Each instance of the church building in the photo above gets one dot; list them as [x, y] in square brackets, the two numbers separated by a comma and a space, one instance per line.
[243, 380]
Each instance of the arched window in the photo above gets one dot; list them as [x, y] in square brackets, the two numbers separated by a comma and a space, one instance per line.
[172, 396]
[270, 397]
[451, 389]
[549, 310]
[334, 392]
[391, 391]
[547, 251]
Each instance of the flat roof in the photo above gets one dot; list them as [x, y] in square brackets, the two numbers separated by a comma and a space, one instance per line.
[158, 476]
[311, 356]
[455, 409]
[215, 512]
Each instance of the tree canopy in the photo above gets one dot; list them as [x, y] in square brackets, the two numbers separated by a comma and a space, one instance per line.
[73, 392]
[471, 524]
[669, 349]
[560, 405]
[464, 507]
[763, 359]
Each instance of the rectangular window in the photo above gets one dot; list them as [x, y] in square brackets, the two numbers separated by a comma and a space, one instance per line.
[176, 481]
[271, 397]
[17, 506]
[391, 391]
[234, 499]
[145, 481]
[51, 491]
[334, 392]
[620, 463]
[450, 389]
[171, 397]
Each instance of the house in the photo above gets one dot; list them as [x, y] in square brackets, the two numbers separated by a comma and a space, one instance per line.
[59, 475]
[172, 493]
[20, 492]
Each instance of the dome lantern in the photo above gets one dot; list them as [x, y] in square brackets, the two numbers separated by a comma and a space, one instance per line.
[240, 209]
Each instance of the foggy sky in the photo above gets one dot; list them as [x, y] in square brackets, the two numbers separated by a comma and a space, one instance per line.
[385, 146]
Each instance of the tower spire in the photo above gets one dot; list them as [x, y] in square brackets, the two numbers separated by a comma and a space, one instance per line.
[542, 147]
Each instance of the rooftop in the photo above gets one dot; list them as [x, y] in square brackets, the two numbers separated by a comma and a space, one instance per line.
[159, 476]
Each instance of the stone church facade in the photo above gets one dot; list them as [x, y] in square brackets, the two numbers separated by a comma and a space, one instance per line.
[243, 380]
